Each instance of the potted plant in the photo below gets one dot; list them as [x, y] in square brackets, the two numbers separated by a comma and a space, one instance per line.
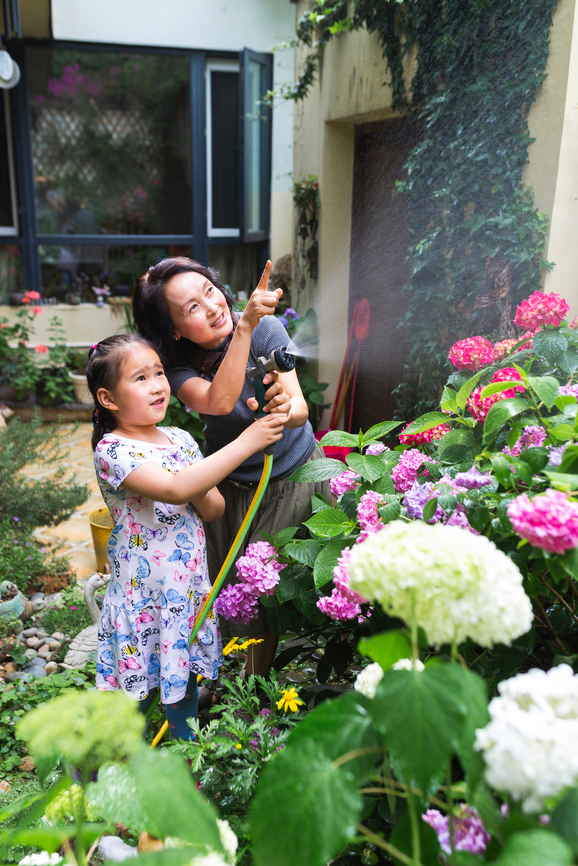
[77, 359]
[54, 384]
[18, 371]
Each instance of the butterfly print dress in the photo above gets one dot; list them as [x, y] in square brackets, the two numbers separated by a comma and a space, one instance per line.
[159, 579]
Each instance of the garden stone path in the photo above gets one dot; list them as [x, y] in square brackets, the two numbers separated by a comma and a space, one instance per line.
[74, 533]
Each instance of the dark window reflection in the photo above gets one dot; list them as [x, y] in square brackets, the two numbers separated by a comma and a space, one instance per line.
[111, 141]
[6, 204]
[225, 143]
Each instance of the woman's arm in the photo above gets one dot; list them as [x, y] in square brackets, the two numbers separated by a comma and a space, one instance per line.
[220, 396]
[197, 480]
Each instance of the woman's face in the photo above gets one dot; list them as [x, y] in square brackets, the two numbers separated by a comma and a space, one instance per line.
[198, 310]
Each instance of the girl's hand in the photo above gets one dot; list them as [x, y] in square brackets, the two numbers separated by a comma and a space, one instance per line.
[261, 303]
[263, 432]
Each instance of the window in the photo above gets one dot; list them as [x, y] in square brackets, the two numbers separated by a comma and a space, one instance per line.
[256, 70]
[223, 117]
[8, 212]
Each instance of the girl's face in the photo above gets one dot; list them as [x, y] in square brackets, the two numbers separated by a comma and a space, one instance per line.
[141, 396]
[198, 310]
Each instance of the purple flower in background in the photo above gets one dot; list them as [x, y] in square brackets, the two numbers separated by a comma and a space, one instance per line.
[283, 321]
[237, 602]
[290, 313]
[555, 454]
[265, 712]
[416, 498]
[533, 436]
[469, 832]
[254, 744]
[17, 519]
[459, 518]
[376, 448]
[473, 479]
[568, 391]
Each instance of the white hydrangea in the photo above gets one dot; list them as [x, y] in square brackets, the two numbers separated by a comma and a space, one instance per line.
[229, 840]
[409, 665]
[213, 858]
[368, 680]
[42, 858]
[457, 585]
[530, 746]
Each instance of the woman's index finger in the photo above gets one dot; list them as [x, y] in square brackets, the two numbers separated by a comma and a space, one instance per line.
[264, 281]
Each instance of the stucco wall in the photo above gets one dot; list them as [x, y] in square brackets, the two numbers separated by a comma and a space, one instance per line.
[84, 324]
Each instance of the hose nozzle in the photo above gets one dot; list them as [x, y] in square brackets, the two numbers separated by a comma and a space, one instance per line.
[279, 361]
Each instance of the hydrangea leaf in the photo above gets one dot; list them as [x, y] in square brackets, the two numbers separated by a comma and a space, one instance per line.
[535, 848]
[562, 432]
[422, 719]
[116, 798]
[339, 437]
[169, 803]
[565, 819]
[569, 459]
[426, 422]
[548, 344]
[51, 838]
[284, 536]
[386, 648]
[339, 727]
[317, 806]
[378, 431]
[546, 387]
[292, 581]
[318, 470]
[563, 481]
[475, 696]
[306, 602]
[305, 552]
[466, 389]
[401, 839]
[497, 387]
[327, 560]
[502, 411]
[326, 524]
[368, 466]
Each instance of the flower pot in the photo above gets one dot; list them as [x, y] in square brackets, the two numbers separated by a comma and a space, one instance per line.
[81, 392]
[101, 526]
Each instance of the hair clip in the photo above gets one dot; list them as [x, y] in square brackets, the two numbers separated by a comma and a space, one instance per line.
[95, 417]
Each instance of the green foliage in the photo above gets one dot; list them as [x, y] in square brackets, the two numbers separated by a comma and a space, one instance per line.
[69, 615]
[24, 561]
[185, 418]
[10, 624]
[53, 381]
[20, 697]
[17, 367]
[472, 222]
[35, 502]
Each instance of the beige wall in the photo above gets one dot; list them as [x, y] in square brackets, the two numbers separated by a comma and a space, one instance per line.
[84, 324]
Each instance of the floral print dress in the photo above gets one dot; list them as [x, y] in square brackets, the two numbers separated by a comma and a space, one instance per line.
[159, 578]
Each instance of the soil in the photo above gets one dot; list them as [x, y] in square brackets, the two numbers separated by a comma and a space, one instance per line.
[10, 592]
[49, 583]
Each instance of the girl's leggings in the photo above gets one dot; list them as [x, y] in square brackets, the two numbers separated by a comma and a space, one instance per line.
[177, 714]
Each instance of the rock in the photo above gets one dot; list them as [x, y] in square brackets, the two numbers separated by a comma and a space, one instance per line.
[27, 764]
[30, 653]
[42, 633]
[57, 635]
[32, 642]
[39, 661]
[29, 632]
[51, 668]
[36, 595]
[54, 599]
[44, 650]
[9, 667]
[54, 645]
[17, 675]
[35, 670]
[4, 786]
[114, 849]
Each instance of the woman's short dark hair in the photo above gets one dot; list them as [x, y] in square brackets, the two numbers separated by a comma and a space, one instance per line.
[151, 311]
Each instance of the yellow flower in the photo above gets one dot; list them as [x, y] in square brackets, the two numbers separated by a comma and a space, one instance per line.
[289, 701]
[248, 643]
[238, 746]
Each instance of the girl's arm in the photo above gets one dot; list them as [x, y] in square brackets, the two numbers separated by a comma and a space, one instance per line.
[195, 481]
[209, 507]
[289, 400]
[220, 396]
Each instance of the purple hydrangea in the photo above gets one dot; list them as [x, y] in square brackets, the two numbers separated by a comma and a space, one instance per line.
[568, 391]
[405, 473]
[283, 320]
[237, 602]
[376, 448]
[290, 313]
[533, 436]
[556, 454]
[416, 498]
[348, 480]
[473, 479]
[259, 569]
[469, 832]
[459, 518]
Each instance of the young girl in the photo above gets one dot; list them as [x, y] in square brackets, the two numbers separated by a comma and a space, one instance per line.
[158, 489]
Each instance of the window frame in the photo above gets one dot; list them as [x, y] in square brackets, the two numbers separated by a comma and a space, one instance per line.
[13, 230]
[214, 65]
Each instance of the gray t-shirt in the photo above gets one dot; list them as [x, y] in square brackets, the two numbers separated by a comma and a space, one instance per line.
[295, 446]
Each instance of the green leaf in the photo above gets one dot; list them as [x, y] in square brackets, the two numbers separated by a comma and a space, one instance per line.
[306, 602]
[499, 413]
[20, 804]
[429, 509]
[326, 524]
[384, 485]
[116, 797]
[317, 807]
[339, 437]
[565, 819]
[348, 504]
[389, 512]
[426, 422]
[569, 459]
[51, 838]
[456, 445]
[319, 503]
[563, 481]
[535, 847]
[327, 560]
[304, 551]
[497, 387]
[368, 466]
[562, 432]
[569, 562]
[522, 470]
[475, 698]
[284, 535]
[467, 389]
[292, 581]
[321, 469]
[568, 360]
[546, 387]
[169, 803]
[386, 648]
[402, 839]
[422, 718]
[338, 727]
[537, 458]
[548, 344]
[448, 401]
[378, 431]
[279, 619]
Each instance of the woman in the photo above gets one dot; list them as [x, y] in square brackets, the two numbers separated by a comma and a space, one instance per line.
[181, 307]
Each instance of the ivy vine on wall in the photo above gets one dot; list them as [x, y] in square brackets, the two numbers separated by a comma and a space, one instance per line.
[476, 240]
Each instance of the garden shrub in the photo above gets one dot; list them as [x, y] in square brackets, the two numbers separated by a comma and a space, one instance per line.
[35, 503]
[70, 614]
[26, 563]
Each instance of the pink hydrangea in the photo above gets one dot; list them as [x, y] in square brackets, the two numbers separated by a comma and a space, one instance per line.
[376, 448]
[479, 407]
[406, 471]
[541, 309]
[367, 514]
[471, 354]
[548, 521]
[338, 607]
[341, 579]
[426, 436]
[533, 436]
[568, 390]
[574, 324]
[506, 347]
[469, 832]
[342, 483]
[258, 568]
[237, 602]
